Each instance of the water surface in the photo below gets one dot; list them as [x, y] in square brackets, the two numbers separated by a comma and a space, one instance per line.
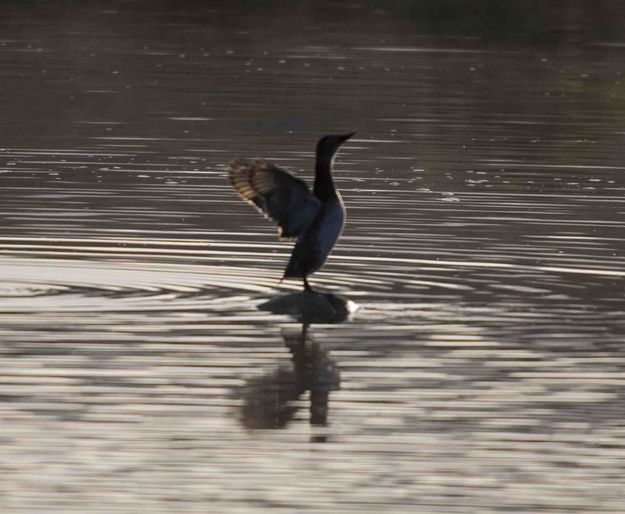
[484, 370]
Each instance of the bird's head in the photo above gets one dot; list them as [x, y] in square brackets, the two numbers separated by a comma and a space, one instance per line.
[328, 145]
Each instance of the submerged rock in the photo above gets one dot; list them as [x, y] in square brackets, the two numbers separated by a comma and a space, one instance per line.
[311, 306]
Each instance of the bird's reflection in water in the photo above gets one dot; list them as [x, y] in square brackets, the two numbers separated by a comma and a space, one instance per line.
[270, 401]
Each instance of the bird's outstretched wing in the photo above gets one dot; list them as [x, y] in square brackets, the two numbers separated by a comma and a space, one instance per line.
[275, 193]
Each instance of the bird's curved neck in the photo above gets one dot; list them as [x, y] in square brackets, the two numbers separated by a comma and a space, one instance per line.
[324, 185]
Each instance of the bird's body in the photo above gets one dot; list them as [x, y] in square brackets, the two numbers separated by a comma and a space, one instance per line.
[315, 219]
[316, 242]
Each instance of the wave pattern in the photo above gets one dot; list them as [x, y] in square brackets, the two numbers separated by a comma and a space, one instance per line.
[483, 371]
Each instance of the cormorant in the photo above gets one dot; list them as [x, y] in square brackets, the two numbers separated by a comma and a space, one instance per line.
[314, 219]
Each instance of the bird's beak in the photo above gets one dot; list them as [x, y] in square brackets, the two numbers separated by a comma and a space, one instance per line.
[347, 136]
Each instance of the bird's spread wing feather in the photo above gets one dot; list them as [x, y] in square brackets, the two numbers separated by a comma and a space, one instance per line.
[275, 193]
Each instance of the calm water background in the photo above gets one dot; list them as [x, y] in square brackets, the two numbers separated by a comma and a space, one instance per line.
[485, 246]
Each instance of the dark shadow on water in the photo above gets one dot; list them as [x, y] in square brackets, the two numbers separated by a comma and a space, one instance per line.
[270, 401]
[519, 22]
[311, 307]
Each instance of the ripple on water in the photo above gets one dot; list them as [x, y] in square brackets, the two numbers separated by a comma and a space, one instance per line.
[57, 285]
[484, 369]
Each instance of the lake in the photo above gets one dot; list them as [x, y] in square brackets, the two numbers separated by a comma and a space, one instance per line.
[484, 370]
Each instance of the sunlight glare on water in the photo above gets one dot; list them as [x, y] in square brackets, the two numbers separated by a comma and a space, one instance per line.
[483, 370]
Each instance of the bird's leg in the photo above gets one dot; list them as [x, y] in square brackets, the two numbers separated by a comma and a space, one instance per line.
[307, 287]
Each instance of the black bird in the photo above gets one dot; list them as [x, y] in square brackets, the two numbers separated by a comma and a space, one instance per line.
[314, 219]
